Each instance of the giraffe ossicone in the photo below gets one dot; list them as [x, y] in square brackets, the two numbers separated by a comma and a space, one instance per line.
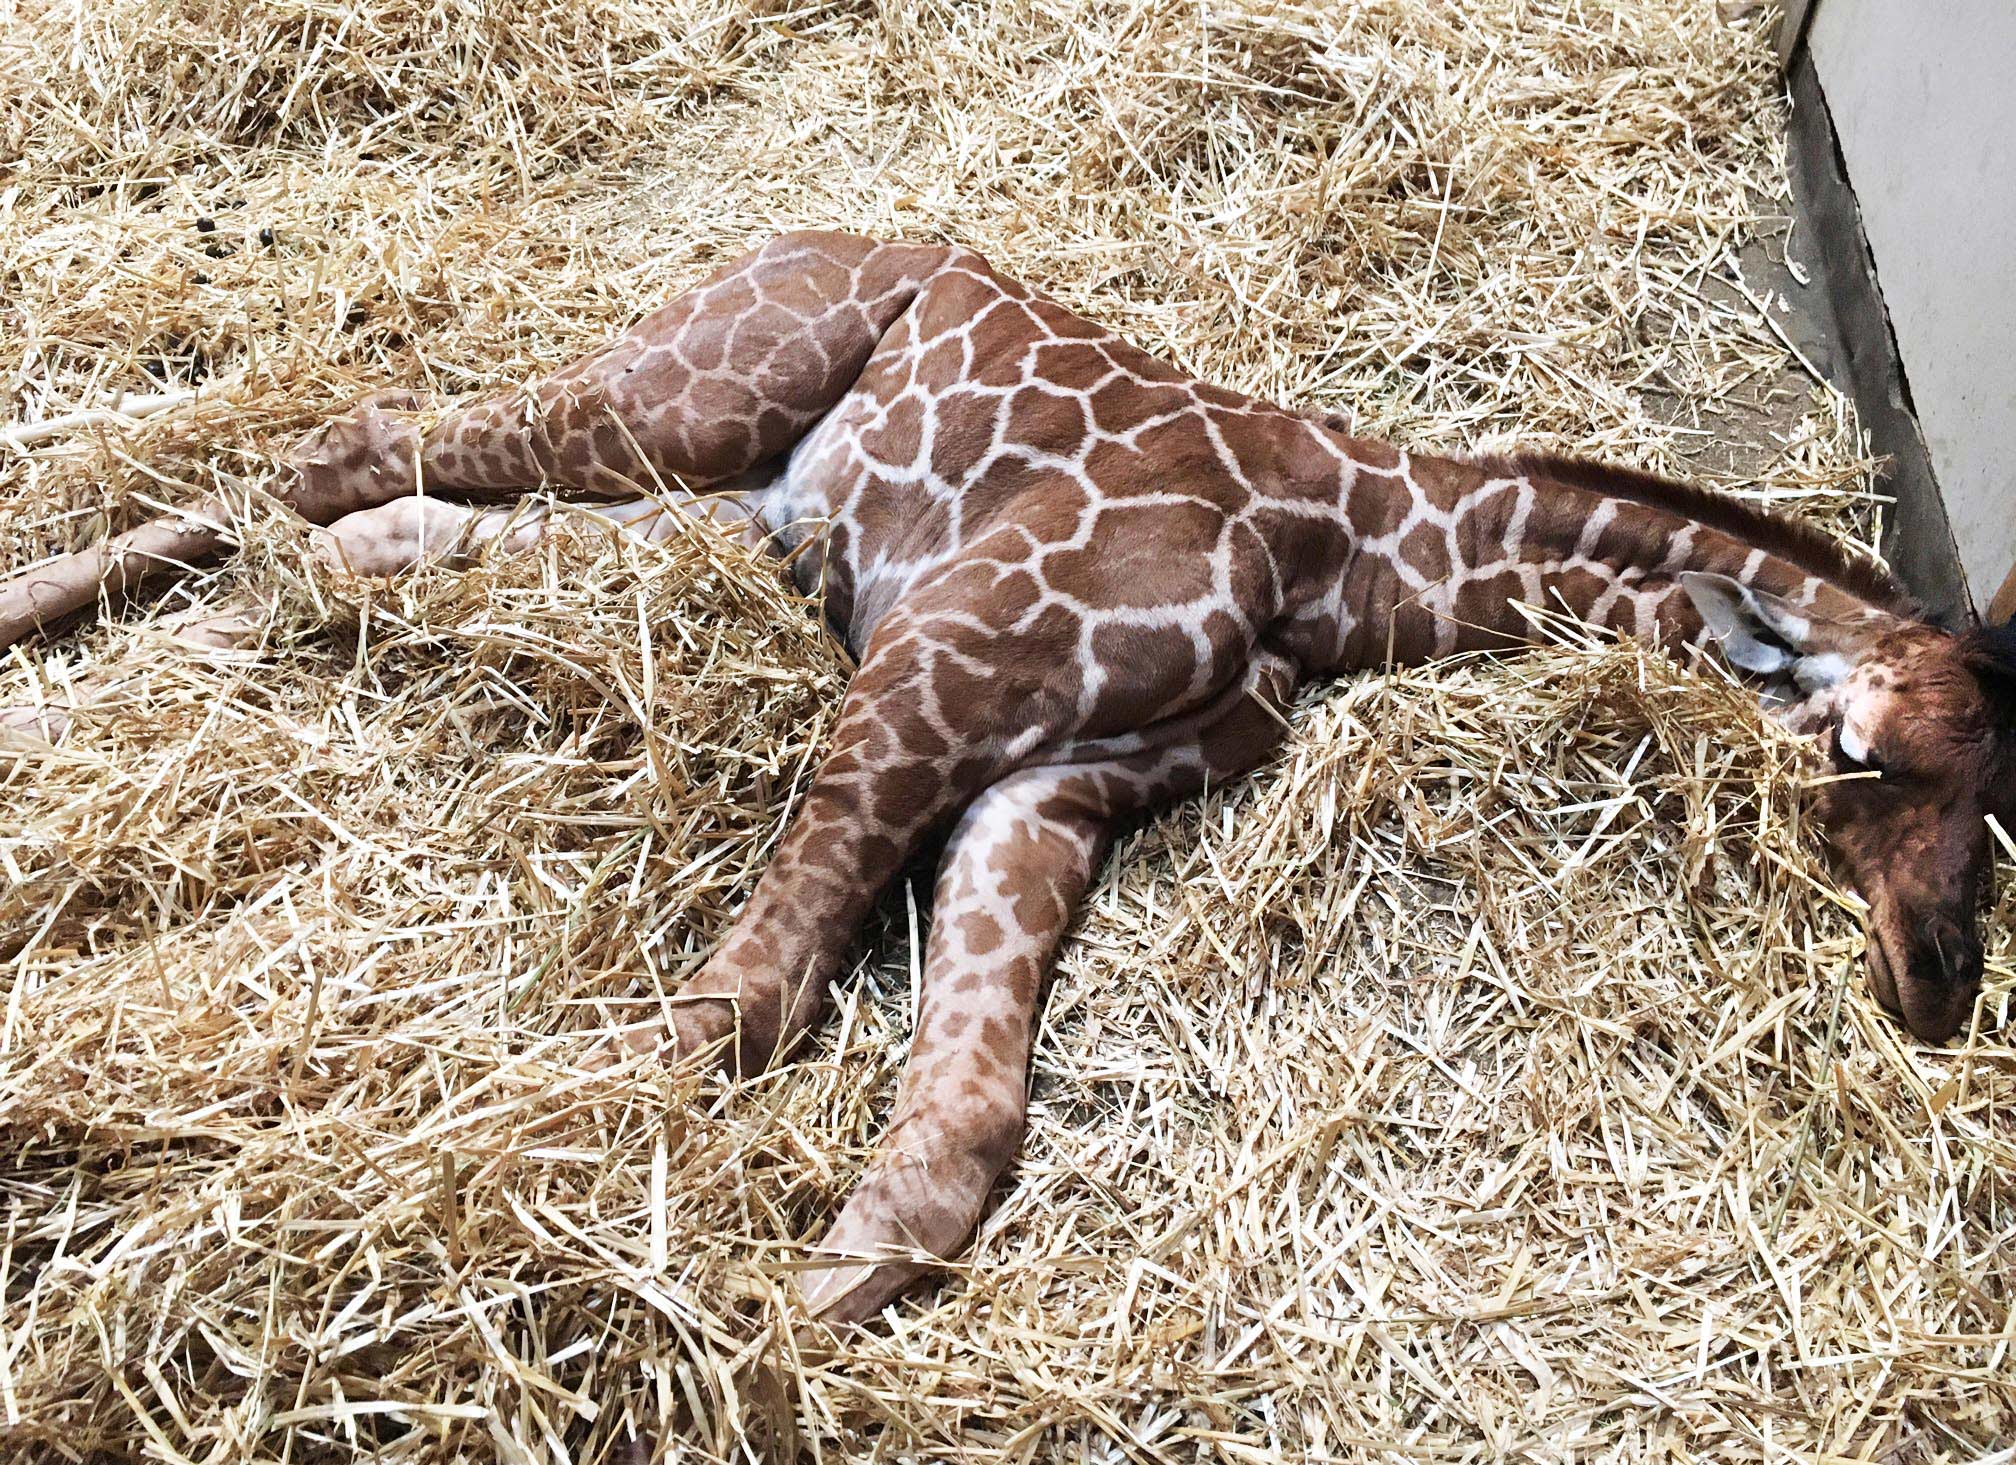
[1080, 583]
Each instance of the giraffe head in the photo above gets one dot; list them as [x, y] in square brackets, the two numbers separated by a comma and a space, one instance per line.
[1927, 719]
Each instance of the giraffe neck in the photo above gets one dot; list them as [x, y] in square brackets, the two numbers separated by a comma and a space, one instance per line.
[1446, 556]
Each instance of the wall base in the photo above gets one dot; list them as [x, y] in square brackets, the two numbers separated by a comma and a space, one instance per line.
[1917, 539]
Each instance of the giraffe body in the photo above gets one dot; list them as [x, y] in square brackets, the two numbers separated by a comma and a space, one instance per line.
[1078, 584]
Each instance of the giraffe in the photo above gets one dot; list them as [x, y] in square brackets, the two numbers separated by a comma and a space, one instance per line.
[1080, 584]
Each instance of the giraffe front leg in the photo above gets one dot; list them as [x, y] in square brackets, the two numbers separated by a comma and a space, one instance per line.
[896, 770]
[1021, 859]
[709, 385]
[905, 757]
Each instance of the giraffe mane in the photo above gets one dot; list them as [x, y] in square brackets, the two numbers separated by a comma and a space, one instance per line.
[1805, 546]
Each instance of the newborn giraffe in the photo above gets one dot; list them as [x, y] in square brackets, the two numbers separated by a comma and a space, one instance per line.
[1080, 584]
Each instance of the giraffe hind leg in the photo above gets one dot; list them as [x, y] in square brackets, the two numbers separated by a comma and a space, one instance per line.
[726, 376]
[401, 536]
[1022, 857]
[389, 540]
[198, 631]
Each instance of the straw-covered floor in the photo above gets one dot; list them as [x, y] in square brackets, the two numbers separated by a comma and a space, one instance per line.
[1490, 1076]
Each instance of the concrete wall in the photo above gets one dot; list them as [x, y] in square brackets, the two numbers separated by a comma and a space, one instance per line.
[1923, 99]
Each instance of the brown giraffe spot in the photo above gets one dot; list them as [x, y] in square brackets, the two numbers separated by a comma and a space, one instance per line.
[1377, 505]
[917, 737]
[1065, 802]
[1038, 416]
[1377, 456]
[1065, 361]
[836, 800]
[959, 690]
[773, 424]
[980, 932]
[1249, 571]
[1579, 587]
[1316, 550]
[1139, 556]
[1002, 1039]
[1230, 742]
[1230, 643]
[611, 447]
[941, 365]
[1121, 405]
[970, 772]
[1024, 975]
[1482, 601]
[575, 462]
[1426, 550]
[1159, 662]
[962, 426]
[879, 852]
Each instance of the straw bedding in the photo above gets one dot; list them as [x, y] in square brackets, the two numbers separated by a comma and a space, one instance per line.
[1488, 1076]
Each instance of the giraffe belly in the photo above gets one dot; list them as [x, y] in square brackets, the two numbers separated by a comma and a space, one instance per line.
[858, 535]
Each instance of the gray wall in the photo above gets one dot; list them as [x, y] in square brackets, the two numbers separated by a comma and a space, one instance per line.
[1923, 101]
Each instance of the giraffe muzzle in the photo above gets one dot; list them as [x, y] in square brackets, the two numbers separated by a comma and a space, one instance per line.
[1927, 973]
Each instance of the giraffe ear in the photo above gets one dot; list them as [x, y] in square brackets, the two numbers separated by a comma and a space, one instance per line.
[1761, 633]
[1991, 653]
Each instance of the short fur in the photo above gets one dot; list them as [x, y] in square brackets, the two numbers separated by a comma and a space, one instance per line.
[1797, 543]
[1990, 651]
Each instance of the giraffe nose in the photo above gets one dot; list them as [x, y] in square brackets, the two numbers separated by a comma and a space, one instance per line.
[1937, 992]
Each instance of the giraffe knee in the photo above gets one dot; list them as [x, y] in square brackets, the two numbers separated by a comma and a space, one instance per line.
[995, 1138]
[393, 538]
[733, 1012]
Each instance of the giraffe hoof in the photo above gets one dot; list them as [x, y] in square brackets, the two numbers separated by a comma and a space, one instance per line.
[367, 457]
[35, 724]
[646, 1040]
[393, 538]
